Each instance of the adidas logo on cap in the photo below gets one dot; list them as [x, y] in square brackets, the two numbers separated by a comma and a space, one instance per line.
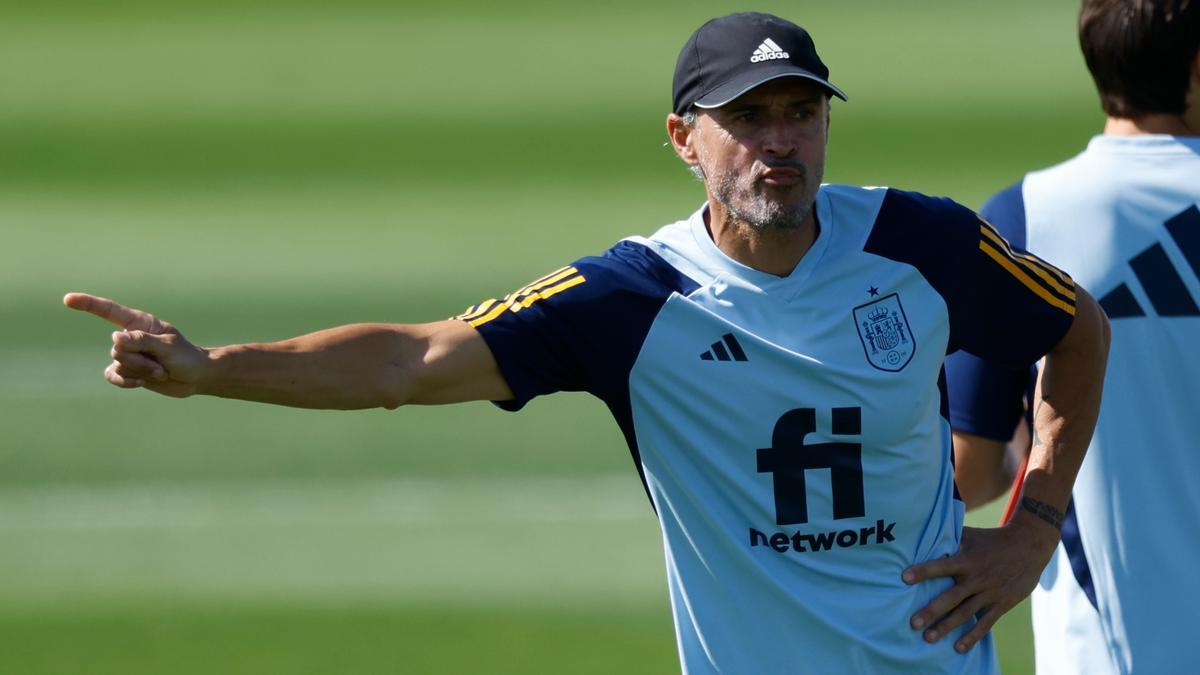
[768, 51]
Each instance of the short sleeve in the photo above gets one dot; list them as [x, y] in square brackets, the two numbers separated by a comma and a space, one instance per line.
[578, 328]
[1004, 305]
[987, 399]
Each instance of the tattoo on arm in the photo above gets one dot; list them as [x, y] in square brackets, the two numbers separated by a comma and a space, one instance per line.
[1044, 511]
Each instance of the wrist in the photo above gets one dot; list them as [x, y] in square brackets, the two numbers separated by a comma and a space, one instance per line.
[1045, 512]
[208, 369]
[1037, 529]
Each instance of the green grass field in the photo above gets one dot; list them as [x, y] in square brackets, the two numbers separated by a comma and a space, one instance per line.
[254, 170]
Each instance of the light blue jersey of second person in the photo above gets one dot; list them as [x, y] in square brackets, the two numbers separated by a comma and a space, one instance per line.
[791, 431]
[1123, 217]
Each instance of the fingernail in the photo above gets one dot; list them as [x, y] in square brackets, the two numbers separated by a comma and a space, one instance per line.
[931, 635]
[917, 622]
[908, 576]
[960, 647]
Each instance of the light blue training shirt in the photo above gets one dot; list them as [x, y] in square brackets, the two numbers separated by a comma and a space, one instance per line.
[791, 431]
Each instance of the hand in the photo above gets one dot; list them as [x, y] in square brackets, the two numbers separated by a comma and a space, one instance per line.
[148, 352]
[993, 571]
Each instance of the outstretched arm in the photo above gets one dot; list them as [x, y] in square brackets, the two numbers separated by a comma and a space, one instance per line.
[348, 367]
[997, 568]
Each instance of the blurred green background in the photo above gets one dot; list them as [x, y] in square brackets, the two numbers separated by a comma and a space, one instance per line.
[256, 169]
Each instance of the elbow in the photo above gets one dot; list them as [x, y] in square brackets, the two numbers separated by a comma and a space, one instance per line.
[979, 493]
[983, 470]
[391, 395]
[394, 386]
[390, 404]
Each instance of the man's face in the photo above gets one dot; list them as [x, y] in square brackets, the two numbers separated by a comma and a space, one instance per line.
[763, 154]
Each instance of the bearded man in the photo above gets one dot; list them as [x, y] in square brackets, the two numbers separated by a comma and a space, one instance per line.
[774, 362]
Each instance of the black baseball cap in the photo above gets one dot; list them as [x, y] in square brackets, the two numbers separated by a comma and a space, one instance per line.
[730, 55]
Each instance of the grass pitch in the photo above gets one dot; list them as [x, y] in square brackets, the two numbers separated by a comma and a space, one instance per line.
[254, 170]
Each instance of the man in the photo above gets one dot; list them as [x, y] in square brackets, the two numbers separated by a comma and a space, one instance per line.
[774, 363]
[1121, 592]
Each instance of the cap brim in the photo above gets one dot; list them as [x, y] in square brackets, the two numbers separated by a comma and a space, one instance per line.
[730, 90]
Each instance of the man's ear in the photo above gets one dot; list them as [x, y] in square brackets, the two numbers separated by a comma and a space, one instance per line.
[680, 133]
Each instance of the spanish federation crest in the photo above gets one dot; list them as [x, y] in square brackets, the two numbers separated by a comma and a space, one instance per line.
[886, 337]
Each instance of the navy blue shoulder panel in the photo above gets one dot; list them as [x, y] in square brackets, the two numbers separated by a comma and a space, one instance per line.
[987, 399]
[998, 307]
[1005, 210]
[582, 331]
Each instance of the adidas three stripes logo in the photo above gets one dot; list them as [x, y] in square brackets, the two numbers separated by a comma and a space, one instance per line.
[725, 349]
[1158, 276]
[768, 51]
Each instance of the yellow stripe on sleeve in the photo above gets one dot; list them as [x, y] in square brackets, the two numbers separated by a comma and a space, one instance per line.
[553, 290]
[476, 310]
[1056, 280]
[1018, 272]
[540, 290]
[497, 311]
[540, 281]
[547, 280]
[1057, 273]
[552, 274]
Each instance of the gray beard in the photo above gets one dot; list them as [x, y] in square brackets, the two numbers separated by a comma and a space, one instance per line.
[758, 212]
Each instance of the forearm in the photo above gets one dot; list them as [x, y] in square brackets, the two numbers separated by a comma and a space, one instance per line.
[1066, 405]
[348, 367]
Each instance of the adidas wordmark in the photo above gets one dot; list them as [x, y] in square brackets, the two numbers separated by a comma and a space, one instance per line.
[768, 51]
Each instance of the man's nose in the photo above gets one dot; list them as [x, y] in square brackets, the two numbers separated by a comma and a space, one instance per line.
[779, 139]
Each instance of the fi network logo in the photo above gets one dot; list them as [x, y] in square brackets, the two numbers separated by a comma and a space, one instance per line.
[789, 457]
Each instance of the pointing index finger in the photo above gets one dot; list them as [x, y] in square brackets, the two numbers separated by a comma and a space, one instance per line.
[125, 317]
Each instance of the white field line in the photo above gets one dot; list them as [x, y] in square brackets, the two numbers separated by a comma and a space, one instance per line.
[404, 501]
[537, 542]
